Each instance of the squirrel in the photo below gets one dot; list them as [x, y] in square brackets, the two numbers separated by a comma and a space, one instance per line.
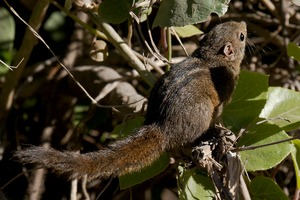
[184, 103]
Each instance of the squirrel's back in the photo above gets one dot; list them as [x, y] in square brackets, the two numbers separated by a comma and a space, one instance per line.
[189, 98]
[183, 102]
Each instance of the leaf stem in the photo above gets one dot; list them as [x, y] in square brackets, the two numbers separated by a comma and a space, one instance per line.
[169, 44]
[124, 49]
[262, 145]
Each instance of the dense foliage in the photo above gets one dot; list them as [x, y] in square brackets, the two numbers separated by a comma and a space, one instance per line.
[115, 50]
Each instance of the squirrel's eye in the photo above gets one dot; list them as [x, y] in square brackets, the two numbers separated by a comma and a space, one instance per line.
[242, 37]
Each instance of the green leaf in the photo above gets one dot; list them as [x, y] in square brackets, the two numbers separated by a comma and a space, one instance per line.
[264, 157]
[79, 113]
[248, 100]
[7, 36]
[194, 184]
[6, 56]
[68, 4]
[283, 104]
[3, 69]
[296, 160]
[54, 25]
[293, 50]
[54, 21]
[135, 178]
[182, 12]
[187, 31]
[115, 11]
[265, 188]
[143, 12]
[7, 30]
[127, 128]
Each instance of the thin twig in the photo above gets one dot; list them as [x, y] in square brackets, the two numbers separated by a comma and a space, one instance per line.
[179, 40]
[145, 41]
[124, 49]
[130, 33]
[110, 180]
[73, 195]
[148, 61]
[12, 79]
[84, 191]
[16, 177]
[262, 145]
[169, 46]
[66, 69]
[154, 46]
[11, 67]
[273, 119]
[61, 64]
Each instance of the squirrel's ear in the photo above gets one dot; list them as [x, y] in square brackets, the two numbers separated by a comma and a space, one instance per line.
[229, 51]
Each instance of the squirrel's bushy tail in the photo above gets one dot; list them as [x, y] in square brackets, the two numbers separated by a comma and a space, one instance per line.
[121, 157]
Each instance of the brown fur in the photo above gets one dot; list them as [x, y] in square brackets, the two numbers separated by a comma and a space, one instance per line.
[182, 106]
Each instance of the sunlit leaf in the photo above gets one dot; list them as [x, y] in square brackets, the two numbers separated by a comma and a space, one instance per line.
[293, 51]
[182, 12]
[283, 108]
[248, 100]
[296, 161]
[7, 29]
[265, 188]
[264, 157]
[7, 36]
[194, 184]
[187, 31]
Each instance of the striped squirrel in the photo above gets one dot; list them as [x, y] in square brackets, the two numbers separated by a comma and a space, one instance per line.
[185, 102]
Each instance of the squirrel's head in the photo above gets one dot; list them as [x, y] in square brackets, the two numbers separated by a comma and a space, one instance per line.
[226, 41]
